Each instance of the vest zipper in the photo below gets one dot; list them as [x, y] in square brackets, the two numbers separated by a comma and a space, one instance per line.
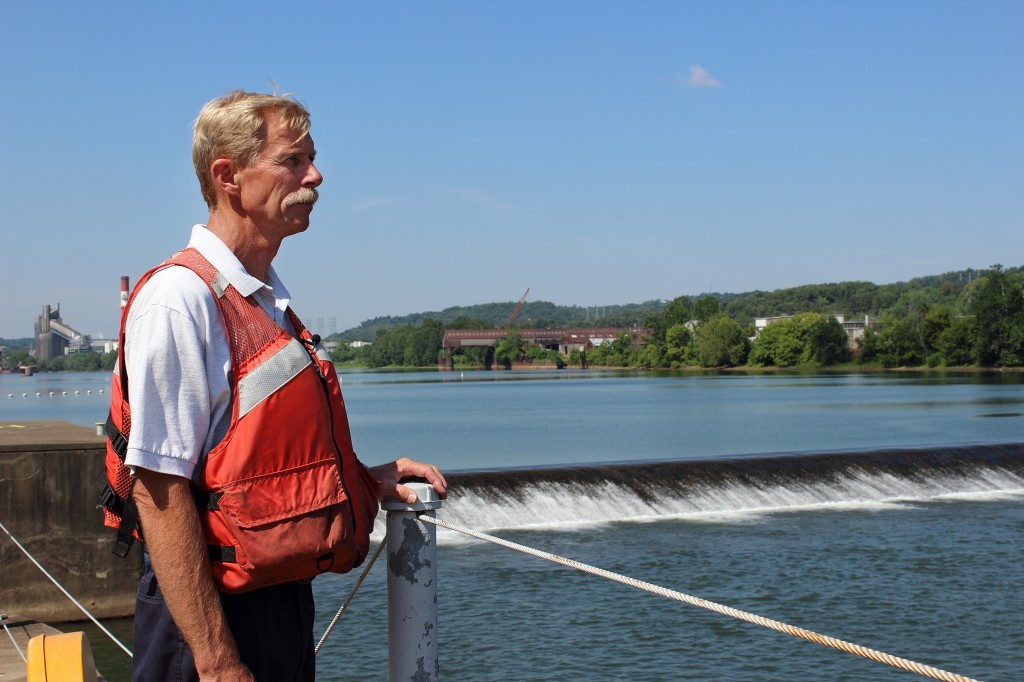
[334, 441]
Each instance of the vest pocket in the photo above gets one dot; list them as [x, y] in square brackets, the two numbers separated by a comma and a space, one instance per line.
[285, 525]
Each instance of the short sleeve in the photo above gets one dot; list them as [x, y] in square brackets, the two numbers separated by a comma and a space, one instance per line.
[177, 361]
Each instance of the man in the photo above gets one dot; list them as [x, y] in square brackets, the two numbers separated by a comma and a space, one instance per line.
[201, 614]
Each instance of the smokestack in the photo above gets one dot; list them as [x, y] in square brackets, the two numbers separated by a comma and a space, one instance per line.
[124, 292]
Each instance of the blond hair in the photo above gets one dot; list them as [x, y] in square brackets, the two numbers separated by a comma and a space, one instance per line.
[234, 127]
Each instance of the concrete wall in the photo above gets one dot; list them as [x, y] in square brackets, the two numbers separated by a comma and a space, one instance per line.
[49, 502]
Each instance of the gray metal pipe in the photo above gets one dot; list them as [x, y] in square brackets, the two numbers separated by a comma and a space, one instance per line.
[412, 587]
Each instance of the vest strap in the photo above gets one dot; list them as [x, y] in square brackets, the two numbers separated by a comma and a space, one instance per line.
[125, 532]
[224, 554]
[109, 498]
[205, 500]
[116, 438]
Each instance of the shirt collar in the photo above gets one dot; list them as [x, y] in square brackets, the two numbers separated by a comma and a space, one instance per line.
[227, 264]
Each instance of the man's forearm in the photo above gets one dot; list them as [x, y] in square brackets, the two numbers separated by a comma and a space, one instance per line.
[177, 549]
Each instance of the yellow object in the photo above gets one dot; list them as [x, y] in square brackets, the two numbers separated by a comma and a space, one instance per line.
[60, 658]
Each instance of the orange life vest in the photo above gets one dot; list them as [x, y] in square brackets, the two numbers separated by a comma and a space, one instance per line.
[282, 497]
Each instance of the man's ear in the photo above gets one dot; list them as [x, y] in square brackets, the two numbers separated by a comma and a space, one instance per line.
[224, 176]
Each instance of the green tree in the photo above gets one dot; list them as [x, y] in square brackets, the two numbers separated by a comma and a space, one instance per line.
[705, 308]
[509, 347]
[465, 322]
[619, 352]
[804, 339]
[932, 326]
[778, 345]
[827, 343]
[83, 362]
[678, 311]
[344, 353]
[956, 342]
[720, 342]
[389, 345]
[424, 344]
[622, 349]
[407, 345]
[677, 343]
[895, 344]
[998, 308]
[473, 356]
[18, 358]
[652, 355]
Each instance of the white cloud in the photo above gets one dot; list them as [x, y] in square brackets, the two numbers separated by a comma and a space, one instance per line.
[700, 78]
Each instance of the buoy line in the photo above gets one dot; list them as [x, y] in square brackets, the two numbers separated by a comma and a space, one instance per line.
[841, 645]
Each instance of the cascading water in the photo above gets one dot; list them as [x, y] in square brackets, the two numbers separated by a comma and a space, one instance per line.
[642, 491]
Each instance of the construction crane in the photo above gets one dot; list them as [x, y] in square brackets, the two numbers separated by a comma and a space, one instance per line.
[515, 311]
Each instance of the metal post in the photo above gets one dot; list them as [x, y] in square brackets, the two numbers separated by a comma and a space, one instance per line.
[412, 587]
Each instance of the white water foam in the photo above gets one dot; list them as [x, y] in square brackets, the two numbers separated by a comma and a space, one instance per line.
[569, 505]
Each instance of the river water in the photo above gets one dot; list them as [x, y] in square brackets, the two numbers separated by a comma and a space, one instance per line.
[869, 507]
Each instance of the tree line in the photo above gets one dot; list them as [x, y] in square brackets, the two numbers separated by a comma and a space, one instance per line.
[965, 318]
[538, 314]
[968, 318]
[74, 362]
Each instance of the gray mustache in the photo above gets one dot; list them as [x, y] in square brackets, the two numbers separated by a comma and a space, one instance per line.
[306, 195]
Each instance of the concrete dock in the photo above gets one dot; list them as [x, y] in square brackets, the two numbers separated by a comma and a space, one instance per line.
[12, 653]
[12, 665]
[49, 502]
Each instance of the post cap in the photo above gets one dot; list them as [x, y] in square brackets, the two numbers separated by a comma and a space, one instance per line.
[428, 498]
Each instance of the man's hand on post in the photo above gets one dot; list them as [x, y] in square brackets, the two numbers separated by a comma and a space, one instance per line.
[389, 478]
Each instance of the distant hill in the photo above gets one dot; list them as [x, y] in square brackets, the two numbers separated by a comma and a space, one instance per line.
[851, 299]
[533, 314]
[855, 299]
[18, 344]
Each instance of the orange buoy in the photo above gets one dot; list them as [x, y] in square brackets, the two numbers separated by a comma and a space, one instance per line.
[60, 658]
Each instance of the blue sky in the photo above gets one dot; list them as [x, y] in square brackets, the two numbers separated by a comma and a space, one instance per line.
[596, 152]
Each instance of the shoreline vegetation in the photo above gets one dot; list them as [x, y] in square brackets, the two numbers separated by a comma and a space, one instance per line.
[968, 320]
[845, 368]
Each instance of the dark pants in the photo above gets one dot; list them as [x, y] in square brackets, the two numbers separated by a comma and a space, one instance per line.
[273, 628]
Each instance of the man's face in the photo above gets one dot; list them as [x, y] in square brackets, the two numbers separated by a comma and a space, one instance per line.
[278, 189]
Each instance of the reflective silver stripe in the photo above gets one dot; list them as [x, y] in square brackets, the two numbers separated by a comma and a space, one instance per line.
[219, 285]
[270, 375]
[322, 353]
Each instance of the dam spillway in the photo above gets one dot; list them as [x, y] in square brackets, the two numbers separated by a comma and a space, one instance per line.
[557, 496]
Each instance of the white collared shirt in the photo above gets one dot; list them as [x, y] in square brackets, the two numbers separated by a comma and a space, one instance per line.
[178, 359]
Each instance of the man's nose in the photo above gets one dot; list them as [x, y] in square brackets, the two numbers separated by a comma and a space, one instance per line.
[313, 177]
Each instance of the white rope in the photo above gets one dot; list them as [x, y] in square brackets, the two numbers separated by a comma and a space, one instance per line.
[810, 636]
[13, 641]
[66, 593]
[348, 599]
